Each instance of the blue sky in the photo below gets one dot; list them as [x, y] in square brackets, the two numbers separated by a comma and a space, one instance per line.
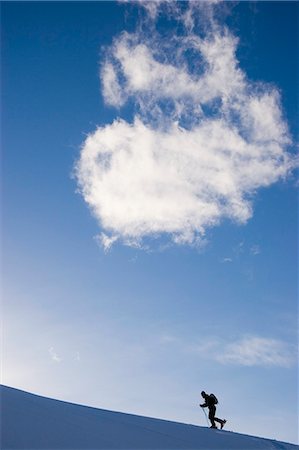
[139, 265]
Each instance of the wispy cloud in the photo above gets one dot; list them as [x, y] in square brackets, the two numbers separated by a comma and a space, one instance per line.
[167, 338]
[77, 357]
[105, 241]
[54, 356]
[255, 250]
[249, 351]
[258, 351]
[226, 260]
[203, 138]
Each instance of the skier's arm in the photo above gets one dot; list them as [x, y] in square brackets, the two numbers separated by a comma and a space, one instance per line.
[203, 405]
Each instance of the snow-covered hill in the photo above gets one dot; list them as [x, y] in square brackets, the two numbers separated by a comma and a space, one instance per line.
[32, 422]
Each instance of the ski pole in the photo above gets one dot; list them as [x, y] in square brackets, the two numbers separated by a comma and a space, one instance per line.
[205, 414]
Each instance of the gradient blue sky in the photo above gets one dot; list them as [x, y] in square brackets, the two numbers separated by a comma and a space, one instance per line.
[140, 330]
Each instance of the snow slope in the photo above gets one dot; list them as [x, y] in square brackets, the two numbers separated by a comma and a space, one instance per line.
[32, 422]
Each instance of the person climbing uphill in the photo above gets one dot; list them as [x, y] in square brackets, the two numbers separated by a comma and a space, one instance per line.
[211, 402]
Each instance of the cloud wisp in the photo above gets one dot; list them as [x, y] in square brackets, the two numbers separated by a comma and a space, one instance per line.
[203, 138]
[250, 351]
[54, 356]
[258, 351]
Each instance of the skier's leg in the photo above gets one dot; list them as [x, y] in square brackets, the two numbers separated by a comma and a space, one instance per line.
[212, 411]
[222, 422]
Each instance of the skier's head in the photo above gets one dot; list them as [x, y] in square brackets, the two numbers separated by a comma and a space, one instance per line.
[203, 394]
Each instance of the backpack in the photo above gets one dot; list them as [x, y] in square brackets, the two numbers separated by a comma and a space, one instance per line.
[214, 399]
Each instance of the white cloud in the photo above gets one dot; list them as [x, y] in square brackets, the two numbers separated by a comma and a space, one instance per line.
[140, 181]
[77, 357]
[258, 351]
[105, 241]
[202, 141]
[167, 338]
[54, 356]
[226, 260]
[148, 79]
[111, 88]
[207, 347]
[255, 250]
[248, 351]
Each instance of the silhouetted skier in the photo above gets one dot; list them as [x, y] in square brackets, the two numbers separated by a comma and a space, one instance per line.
[211, 402]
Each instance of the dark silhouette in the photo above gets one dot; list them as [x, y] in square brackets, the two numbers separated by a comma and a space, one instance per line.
[211, 402]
